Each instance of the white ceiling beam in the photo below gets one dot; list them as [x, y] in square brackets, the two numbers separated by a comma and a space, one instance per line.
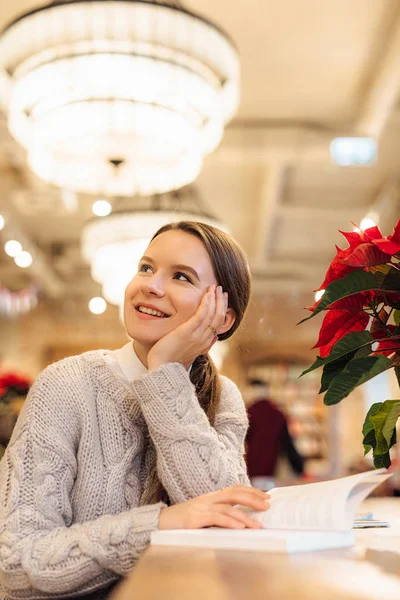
[247, 146]
[269, 202]
[384, 90]
[318, 213]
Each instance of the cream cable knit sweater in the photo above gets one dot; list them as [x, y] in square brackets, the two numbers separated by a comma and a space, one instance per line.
[73, 474]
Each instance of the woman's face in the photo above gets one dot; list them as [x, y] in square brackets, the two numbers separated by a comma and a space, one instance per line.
[172, 278]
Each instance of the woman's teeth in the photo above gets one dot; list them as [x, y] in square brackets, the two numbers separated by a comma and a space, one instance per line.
[150, 311]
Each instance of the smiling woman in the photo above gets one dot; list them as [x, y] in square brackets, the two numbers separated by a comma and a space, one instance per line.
[112, 445]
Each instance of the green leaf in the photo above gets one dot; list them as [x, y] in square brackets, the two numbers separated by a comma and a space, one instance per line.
[335, 367]
[369, 441]
[356, 372]
[384, 421]
[330, 371]
[396, 316]
[391, 281]
[393, 441]
[352, 283]
[368, 430]
[349, 343]
[379, 430]
[382, 461]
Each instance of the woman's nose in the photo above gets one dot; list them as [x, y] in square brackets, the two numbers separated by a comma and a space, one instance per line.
[153, 286]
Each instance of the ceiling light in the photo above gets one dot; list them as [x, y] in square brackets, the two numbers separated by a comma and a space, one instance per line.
[114, 244]
[97, 305]
[101, 208]
[353, 151]
[120, 97]
[23, 259]
[12, 248]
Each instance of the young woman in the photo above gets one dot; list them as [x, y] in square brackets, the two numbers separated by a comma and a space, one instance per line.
[113, 445]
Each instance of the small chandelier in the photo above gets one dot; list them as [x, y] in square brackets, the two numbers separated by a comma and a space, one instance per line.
[118, 97]
[113, 245]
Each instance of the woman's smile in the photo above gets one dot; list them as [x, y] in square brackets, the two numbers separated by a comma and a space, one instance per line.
[148, 311]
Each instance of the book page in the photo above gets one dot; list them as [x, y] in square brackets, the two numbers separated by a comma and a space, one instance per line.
[361, 491]
[326, 505]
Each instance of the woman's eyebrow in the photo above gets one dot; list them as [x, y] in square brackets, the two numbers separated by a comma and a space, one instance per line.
[147, 259]
[186, 268]
[175, 267]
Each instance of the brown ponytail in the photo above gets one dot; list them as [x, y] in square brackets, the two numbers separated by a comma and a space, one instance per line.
[204, 376]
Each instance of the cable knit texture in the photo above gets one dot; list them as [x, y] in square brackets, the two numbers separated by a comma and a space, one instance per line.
[72, 477]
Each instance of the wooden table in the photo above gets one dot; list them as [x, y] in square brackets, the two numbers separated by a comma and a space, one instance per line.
[368, 571]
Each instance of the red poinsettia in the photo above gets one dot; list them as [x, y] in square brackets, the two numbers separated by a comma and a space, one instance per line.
[14, 381]
[360, 334]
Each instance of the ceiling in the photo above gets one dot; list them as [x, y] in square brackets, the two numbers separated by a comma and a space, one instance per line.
[311, 70]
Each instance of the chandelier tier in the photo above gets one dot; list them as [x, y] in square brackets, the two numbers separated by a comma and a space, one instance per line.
[113, 245]
[118, 97]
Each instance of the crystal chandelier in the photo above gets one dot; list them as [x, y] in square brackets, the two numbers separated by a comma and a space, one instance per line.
[118, 97]
[113, 245]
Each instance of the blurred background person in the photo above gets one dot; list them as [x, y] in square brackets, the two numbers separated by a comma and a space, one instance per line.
[268, 439]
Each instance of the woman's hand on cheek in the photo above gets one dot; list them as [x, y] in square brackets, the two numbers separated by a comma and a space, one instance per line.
[194, 337]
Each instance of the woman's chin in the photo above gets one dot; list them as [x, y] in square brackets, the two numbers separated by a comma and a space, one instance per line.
[144, 340]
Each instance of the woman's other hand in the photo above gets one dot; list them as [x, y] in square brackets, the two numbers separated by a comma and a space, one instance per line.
[194, 337]
[216, 509]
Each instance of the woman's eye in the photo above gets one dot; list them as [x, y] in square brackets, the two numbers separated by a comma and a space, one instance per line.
[144, 268]
[180, 275]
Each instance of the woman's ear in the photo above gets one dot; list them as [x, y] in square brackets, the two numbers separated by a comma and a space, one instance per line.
[230, 318]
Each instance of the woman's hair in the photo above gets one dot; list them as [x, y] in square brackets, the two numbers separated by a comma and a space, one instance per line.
[232, 272]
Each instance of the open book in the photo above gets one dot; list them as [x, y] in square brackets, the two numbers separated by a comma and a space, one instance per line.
[305, 517]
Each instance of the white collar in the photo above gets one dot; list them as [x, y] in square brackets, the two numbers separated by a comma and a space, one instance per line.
[129, 362]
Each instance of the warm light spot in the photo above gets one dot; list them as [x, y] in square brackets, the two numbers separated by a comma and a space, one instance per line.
[12, 248]
[1, 222]
[318, 295]
[101, 208]
[23, 259]
[97, 305]
[367, 223]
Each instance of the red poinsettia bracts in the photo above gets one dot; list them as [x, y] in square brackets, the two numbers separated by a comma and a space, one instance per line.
[13, 380]
[367, 250]
[337, 268]
[337, 324]
[391, 244]
[360, 334]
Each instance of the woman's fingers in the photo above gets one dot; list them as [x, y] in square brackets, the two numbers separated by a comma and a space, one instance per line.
[220, 308]
[246, 496]
[210, 314]
[244, 489]
[238, 515]
[217, 519]
[204, 313]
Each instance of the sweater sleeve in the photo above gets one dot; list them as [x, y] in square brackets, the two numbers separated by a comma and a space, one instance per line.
[193, 457]
[43, 555]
